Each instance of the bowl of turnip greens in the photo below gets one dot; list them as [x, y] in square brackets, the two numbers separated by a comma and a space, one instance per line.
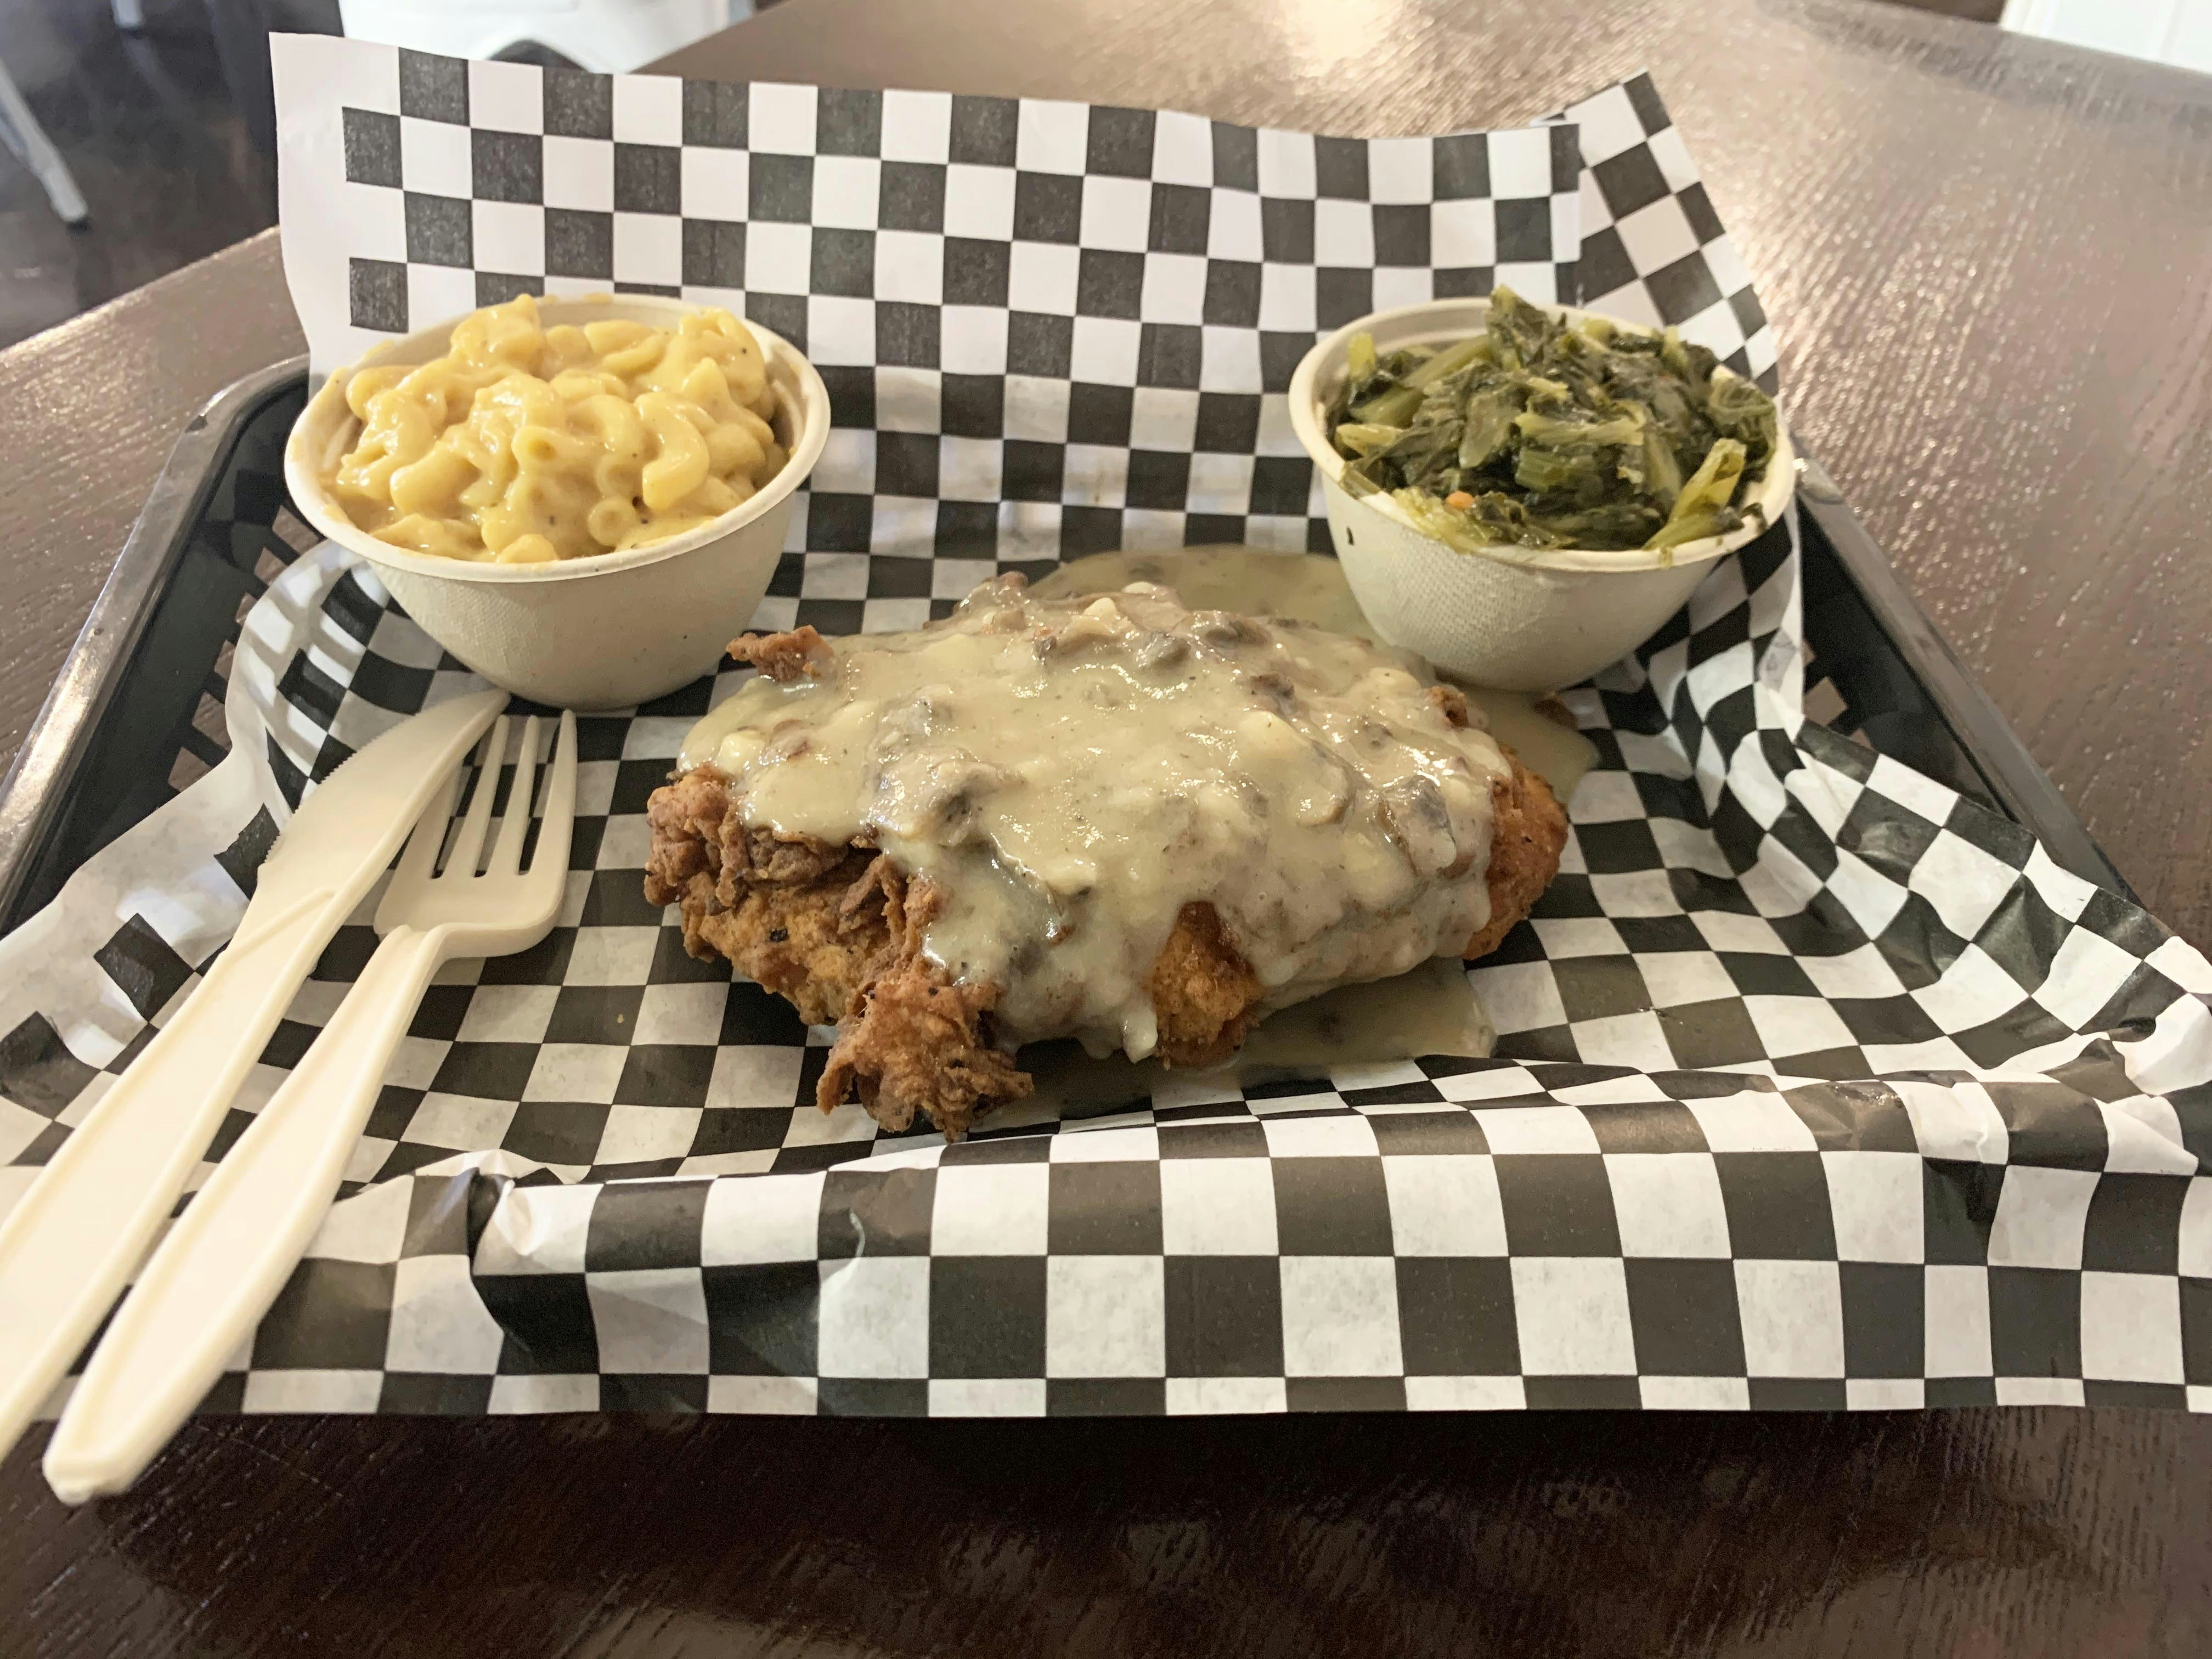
[1524, 493]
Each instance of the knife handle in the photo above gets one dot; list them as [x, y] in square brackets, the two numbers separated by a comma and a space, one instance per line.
[72, 1242]
[221, 1267]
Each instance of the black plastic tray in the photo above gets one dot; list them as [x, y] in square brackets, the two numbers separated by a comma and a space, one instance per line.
[136, 712]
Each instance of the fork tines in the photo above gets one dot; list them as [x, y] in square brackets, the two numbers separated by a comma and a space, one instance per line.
[444, 847]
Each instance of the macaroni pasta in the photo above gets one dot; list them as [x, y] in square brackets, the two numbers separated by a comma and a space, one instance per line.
[525, 443]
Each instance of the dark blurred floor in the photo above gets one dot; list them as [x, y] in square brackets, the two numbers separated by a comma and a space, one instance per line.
[150, 126]
[149, 129]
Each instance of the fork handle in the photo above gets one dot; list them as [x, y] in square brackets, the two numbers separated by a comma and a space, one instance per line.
[228, 1256]
[71, 1241]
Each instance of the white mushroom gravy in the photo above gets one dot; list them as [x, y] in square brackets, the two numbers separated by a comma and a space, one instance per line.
[1311, 587]
[1303, 783]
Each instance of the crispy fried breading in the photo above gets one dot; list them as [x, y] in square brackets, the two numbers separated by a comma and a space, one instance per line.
[1528, 831]
[1204, 996]
[837, 931]
[914, 1043]
[802, 653]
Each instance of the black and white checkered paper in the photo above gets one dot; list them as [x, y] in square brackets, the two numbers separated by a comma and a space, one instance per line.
[1816, 1085]
[1047, 328]
[1652, 249]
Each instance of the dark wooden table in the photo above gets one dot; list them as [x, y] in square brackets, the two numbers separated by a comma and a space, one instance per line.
[1988, 262]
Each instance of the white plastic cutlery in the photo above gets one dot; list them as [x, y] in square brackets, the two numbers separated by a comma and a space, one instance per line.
[71, 1243]
[229, 1254]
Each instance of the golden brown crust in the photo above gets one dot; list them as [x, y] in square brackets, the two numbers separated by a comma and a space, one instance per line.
[790, 939]
[836, 930]
[1528, 831]
[686, 818]
[1205, 995]
[784, 657]
[914, 1042]
[774, 906]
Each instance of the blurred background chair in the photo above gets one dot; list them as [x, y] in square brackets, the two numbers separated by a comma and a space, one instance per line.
[605, 36]
[136, 135]
[21, 131]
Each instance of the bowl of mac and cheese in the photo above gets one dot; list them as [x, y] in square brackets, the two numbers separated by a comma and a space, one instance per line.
[582, 500]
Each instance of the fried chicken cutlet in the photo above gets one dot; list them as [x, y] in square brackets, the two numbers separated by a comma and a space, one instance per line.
[1113, 818]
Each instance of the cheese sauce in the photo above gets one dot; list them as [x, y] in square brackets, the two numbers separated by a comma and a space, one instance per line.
[1072, 772]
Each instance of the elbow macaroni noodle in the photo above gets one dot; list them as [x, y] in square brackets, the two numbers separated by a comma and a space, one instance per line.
[525, 443]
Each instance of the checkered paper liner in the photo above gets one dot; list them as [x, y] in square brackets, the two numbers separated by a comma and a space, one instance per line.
[1816, 1085]
[1046, 328]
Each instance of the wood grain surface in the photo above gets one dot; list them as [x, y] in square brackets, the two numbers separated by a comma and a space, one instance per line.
[87, 412]
[1973, 1534]
[1988, 261]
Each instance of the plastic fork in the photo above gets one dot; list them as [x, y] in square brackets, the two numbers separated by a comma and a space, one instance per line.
[223, 1262]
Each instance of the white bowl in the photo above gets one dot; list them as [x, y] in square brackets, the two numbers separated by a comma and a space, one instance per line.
[609, 630]
[1519, 619]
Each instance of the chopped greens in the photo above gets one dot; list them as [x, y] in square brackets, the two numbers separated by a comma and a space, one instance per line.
[1542, 433]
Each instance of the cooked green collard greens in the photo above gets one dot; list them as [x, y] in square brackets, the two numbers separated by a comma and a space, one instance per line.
[1541, 434]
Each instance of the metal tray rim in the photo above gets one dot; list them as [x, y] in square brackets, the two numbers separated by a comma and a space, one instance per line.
[1984, 734]
[94, 668]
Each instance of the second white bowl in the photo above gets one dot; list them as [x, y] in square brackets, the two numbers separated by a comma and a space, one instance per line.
[611, 630]
[1515, 618]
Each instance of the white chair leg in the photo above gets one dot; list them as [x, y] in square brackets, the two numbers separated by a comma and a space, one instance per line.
[129, 16]
[21, 131]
